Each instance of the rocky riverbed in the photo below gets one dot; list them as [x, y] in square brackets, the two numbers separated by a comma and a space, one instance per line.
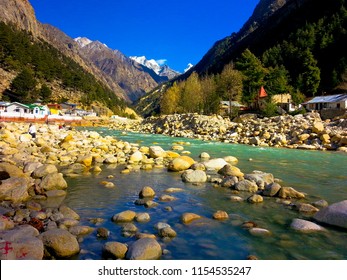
[307, 131]
[297, 132]
[35, 223]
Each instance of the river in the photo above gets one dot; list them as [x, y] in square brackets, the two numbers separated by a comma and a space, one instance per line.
[321, 175]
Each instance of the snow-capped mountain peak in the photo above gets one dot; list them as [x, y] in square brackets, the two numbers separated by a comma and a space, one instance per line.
[188, 67]
[151, 63]
[83, 41]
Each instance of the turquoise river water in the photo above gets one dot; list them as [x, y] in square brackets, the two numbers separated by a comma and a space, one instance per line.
[321, 175]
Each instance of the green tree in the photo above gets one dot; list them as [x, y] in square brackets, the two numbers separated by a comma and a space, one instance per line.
[254, 74]
[270, 109]
[273, 56]
[277, 80]
[309, 79]
[298, 97]
[23, 86]
[45, 93]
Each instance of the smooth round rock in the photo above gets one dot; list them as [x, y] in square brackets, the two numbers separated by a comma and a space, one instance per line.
[144, 249]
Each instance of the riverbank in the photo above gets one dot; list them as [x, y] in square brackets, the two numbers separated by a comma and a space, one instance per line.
[308, 131]
[295, 132]
[33, 172]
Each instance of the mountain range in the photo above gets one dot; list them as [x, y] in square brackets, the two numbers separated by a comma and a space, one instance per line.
[127, 78]
[307, 38]
[282, 30]
[161, 70]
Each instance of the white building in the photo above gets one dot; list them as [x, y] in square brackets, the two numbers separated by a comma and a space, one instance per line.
[337, 101]
[19, 108]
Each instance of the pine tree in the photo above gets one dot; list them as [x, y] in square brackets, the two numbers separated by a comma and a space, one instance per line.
[45, 93]
[254, 73]
[23, 86]
[309, 79]
[277, 81]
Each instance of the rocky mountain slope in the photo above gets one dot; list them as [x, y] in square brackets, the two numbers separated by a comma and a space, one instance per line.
[279, 33]
[21, 14]
[134, 79]
[259, 27]
[69, 47]
[126, 78]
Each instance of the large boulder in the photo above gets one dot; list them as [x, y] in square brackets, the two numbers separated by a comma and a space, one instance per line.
[29, 167]
[110, 159]
[181, 163]
[318, 127]
[80, 230]
[255, 198]
[229, 170]
[289, 192]
[305, 226]
[115, 249]
[220, 215]
[44, 170]
[142, 217]
[146, 192]
[272, 189]
[19, 232]
[156, 152]
[53, 181]
[136, 157]
[229, 182]
[14, 189]
[60, 243]
[28, 248]
[194, 176]
[144, 249]
[204, 155]
[123, 217]
[231, 159]
[305, 208]
[246, 185]
[86, 160]
[187, 218]
[261, 178]
[68, 212]
[8, 170]
[215, 164]
[335, 214]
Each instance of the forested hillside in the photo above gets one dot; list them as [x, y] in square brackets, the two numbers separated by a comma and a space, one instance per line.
[38, 64]
[300, 49]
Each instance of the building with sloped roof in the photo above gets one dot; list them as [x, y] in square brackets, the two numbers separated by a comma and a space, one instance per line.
[337, 101]
[227, 108]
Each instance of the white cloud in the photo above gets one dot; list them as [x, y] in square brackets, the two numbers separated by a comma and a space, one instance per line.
[161, 61]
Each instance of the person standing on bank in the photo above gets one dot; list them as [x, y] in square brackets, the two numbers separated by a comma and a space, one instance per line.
[32, 130]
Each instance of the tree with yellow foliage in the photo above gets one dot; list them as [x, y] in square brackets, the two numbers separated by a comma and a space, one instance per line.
[170, 100]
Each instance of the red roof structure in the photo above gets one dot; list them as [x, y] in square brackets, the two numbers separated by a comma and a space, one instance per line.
[262, 93]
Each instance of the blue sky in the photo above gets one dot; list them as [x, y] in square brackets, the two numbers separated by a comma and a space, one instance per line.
[178, 31]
